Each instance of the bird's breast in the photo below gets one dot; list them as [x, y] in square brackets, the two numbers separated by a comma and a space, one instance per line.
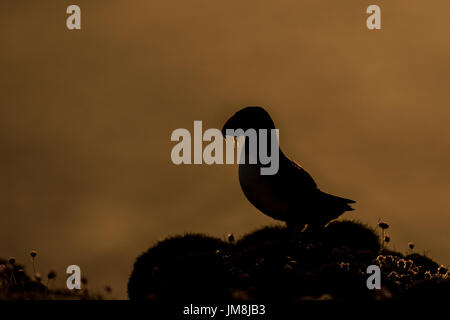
[261, 191]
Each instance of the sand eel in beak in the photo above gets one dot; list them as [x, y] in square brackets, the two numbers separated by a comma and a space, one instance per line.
[289, 195]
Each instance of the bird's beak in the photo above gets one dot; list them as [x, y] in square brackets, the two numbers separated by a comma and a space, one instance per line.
[228, 125]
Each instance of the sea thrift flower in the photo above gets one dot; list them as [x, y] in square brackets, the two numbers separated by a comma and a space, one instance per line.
[51, 275]
[230, 238]
[288, 267]
[409, 264]
[383, 225]
[380, 259]
[389, 259]
[33, 255]
[442, 270]
[401, 263]
[393, 275]
[345, 266]
[411, 272]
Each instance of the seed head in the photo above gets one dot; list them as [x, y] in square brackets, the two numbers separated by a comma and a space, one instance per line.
[411, 245]
[108, 289]
[230, 237]
[383, 225]
[51, 275]
[387, 238]
[33, 254]
[12, 260]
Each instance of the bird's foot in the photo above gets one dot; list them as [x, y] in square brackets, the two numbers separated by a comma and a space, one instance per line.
[295, 231]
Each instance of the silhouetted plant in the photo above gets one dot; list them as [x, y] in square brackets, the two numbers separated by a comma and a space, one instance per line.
[33, 255]
[383, 226]
[411, 246]
[17, 285]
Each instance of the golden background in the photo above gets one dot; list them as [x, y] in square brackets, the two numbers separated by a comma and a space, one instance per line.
[86, 118]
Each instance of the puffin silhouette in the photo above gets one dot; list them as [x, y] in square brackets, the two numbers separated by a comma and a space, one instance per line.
[291, 195]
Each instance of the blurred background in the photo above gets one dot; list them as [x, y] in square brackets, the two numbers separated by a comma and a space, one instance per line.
[86, 116]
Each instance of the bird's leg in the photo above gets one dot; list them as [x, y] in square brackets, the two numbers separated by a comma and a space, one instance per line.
[294, 230]
[312, 232]
[310, 228]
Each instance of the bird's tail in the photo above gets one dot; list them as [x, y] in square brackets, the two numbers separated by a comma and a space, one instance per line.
[339, 202]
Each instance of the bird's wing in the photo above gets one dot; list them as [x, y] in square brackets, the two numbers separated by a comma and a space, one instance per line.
[302, 195]
[301, 181]
[292, 183]
[299, 178]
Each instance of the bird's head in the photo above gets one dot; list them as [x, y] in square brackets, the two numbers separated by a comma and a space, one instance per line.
[249, 118]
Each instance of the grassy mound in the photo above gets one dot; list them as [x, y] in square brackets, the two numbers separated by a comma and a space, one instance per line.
[274, 263]
[190, 266]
